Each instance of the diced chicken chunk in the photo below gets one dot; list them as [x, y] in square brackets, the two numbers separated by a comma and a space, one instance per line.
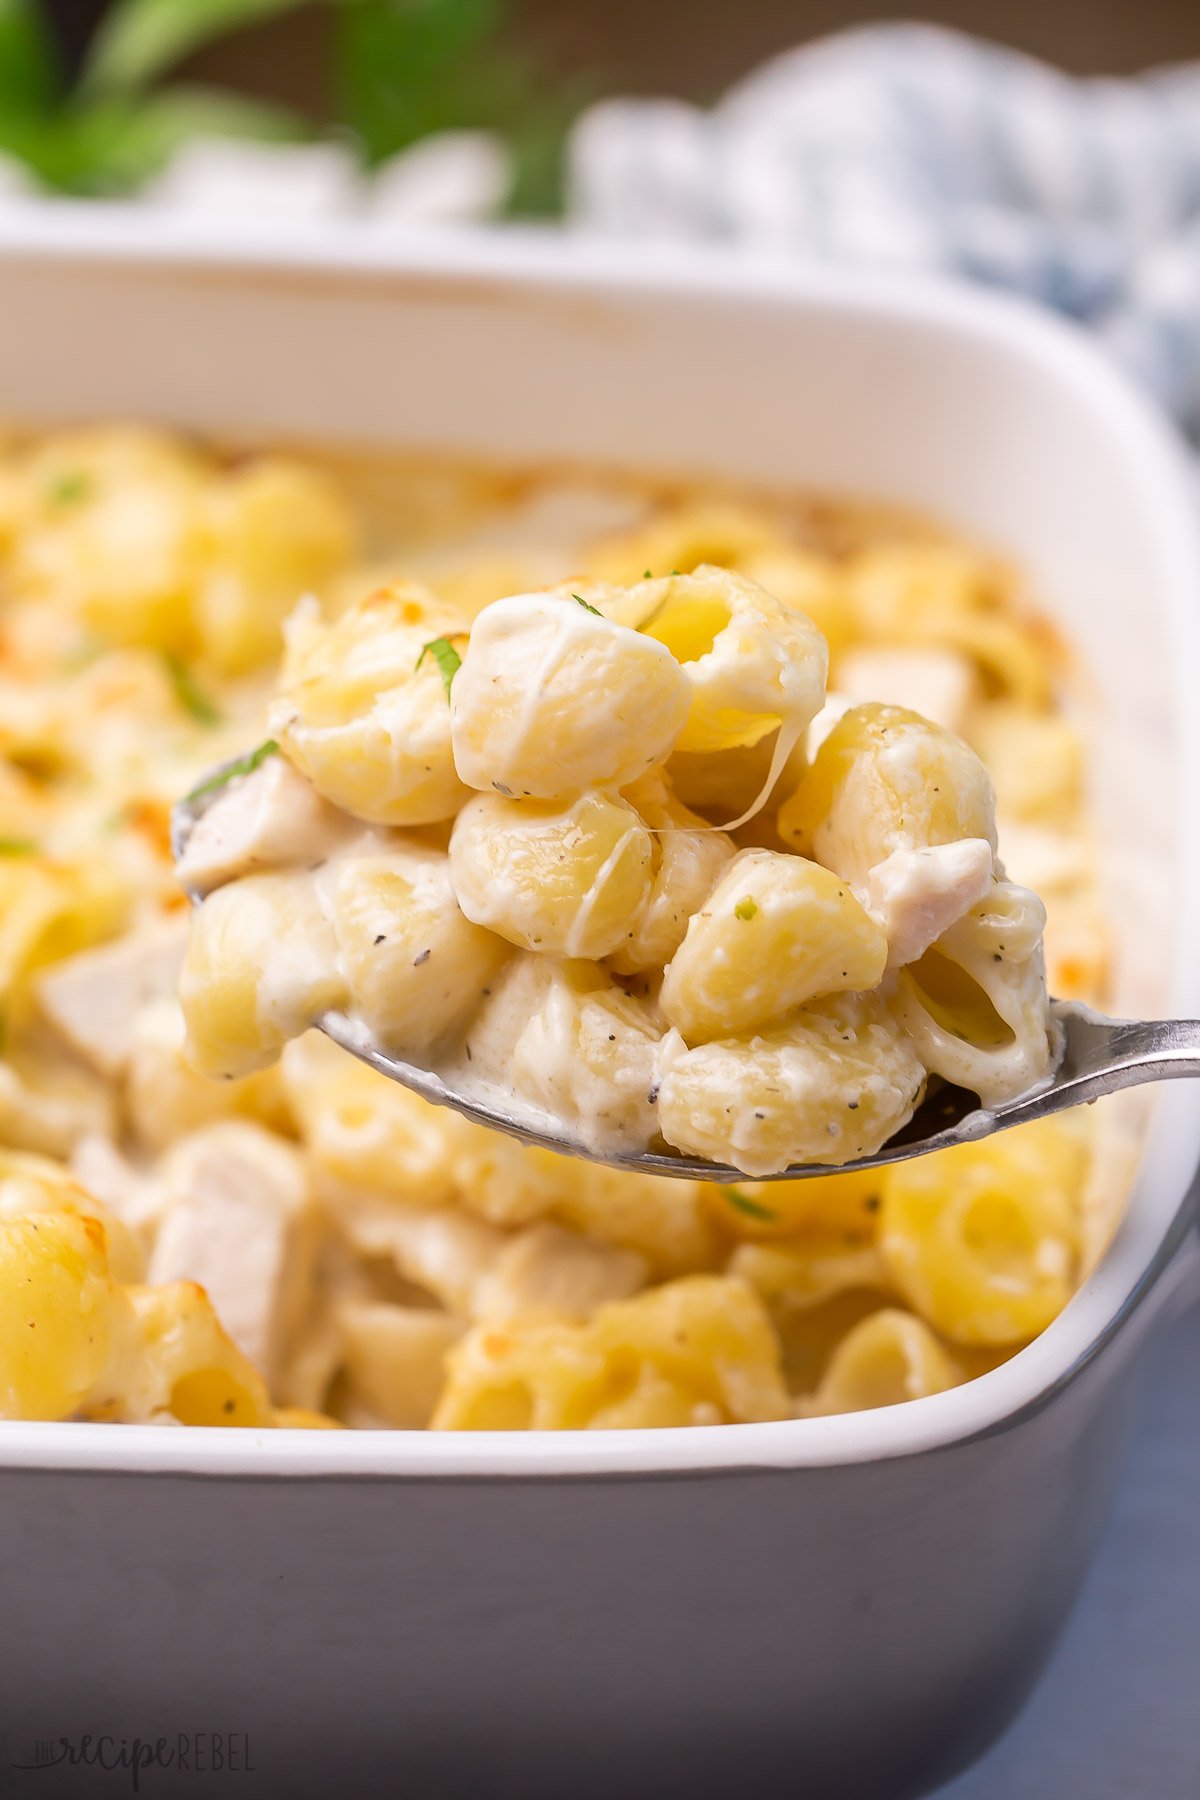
[939, 684]
[394, 1358]
[134, 1197]
[262, 821]
[481, 1273]
[549, 1273]
[548, 529]
[238, 1221]
[916, 895]
[1044, 859]
[49, 1101]
[447, 1253]
[94, 998]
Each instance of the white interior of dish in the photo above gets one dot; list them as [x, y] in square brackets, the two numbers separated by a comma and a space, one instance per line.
[977, 412]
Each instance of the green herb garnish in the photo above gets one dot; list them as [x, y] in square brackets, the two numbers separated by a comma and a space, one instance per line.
[245, 765]
[189, 694]
[752, 1208]
[68, 488]
[745, 909]
[17, 846]
[445, 656]
[646, 575]
[592, 609]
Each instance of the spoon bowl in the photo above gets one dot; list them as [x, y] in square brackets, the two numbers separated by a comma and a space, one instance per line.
[1094, 1056]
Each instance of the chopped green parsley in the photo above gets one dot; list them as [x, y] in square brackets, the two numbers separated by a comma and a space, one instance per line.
[189, 693]
[68, 488]
[245, 765]
[445, 656]
[752, 1208]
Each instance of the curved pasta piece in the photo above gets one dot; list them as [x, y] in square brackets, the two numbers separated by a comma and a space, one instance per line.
[681, 539]
[63, 1318]
[905, 812]
[365, 1134]
[100, 1348]
[831, 1084]
[565, 879]
[839, 1204]
[51, 907]
[885, 779]
[261, 966]
[185, 1368]
[414, 965]
[775, 932]
[698, 1351]
[983, 1240]
[889, 1357]
[975, 1004]
[553, 698]
[799, 1273]
[687, 856]
[754, 668]
[363, 713]
[31, 1186]
[563, 1038]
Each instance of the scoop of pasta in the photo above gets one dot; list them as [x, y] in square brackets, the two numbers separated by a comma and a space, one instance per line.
[560, 945]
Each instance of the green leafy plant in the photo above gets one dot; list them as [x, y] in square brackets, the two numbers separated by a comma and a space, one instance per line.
[401, 70]
[406, 68]
[116, 126]
[141, 40]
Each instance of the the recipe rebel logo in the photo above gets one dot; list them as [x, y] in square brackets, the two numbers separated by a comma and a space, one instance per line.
[189, 1753]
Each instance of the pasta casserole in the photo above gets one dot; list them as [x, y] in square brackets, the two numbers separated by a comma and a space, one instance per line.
[681, 818]
[762, 1007]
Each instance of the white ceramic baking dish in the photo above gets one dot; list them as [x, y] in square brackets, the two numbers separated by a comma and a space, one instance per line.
[847, 1606]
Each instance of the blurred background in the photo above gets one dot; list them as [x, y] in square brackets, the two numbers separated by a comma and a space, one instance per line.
[96, 96]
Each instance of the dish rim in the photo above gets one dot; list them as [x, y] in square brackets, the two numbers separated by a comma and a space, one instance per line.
[484, 265]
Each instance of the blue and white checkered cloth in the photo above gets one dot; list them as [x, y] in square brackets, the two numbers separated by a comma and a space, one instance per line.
[910, 146]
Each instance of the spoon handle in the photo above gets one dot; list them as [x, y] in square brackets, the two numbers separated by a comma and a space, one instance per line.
[1102, 1056]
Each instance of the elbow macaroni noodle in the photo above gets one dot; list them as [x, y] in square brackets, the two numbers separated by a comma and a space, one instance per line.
[677, 829]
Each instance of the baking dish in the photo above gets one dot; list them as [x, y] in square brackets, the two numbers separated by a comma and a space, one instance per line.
[853, 1605]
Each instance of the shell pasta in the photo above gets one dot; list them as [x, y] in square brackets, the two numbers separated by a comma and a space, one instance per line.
[805, 995]
[701, 822]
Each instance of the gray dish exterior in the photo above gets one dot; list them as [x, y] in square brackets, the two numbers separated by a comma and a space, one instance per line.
[863, 1630]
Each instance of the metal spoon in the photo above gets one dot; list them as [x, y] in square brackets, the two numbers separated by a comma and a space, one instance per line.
[1095, 1056]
